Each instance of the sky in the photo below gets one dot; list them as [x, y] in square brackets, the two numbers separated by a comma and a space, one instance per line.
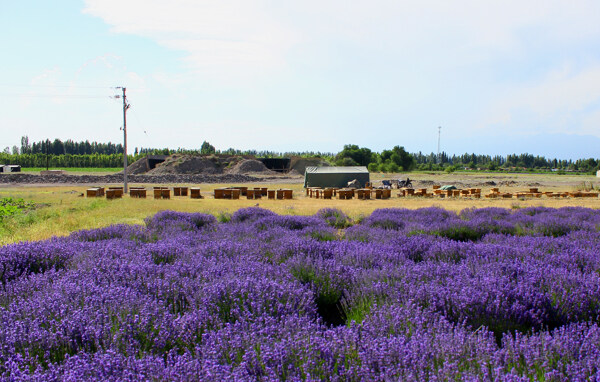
[498, 77]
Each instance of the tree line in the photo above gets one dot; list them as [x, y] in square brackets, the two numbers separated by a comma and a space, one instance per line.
[58, 147]
[398, 160]
[57, 153]
[66, 160]
[509, 162]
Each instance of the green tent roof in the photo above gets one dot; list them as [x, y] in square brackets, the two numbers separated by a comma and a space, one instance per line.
[332, 176]
[338, 170]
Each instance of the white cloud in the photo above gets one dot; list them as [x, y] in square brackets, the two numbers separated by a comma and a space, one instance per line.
[564, 101]
[432, 47]
[107, 61]
[238, 36]
[215, 34]
[591, 124]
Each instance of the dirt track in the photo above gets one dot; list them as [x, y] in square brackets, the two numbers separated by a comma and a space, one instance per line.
[31, 179]
[507, 182]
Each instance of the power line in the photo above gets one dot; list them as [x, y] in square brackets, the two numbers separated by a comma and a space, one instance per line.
[56, 86]
[142, 126]
[25, 95]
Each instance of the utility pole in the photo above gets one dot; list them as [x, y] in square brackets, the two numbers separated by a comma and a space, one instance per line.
[125, 107]
[47, 150]
[439, 137]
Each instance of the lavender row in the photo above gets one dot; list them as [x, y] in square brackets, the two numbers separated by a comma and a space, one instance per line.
[409, 295]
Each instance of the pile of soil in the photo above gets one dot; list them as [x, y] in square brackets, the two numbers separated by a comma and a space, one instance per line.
[187, 164]
[140, 166]
[299, 163]
[247, 166]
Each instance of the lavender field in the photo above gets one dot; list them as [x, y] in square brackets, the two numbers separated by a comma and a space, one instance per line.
[414, 295]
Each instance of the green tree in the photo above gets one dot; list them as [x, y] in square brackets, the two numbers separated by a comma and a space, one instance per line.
[346, 161]
[25, 146]
[207, 148]
[393, 167]
[402, 158]
[360, 155]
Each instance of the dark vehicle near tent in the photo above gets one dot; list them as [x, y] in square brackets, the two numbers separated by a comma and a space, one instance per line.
[404, 183]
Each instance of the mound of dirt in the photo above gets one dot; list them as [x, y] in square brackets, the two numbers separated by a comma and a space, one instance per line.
[140, 166]
[299, 163]
[187, 164]
[246, 166]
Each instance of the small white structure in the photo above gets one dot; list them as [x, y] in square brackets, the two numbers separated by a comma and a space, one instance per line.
[598, 174]
[10, 168]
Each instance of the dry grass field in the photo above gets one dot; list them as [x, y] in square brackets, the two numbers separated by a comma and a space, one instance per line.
[62, 210]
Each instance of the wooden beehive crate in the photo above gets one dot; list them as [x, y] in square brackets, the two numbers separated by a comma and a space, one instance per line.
[137, 192]
[93, 192]
[219, 193]
[114, 194]
[195, 193]
[180, 191]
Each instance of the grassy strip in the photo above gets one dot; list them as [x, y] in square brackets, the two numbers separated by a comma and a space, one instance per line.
[62, 210]
[75, 170]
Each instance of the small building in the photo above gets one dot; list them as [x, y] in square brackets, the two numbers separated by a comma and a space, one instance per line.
[276, 164]
[598, 174]
[331, 176]
[11, 168]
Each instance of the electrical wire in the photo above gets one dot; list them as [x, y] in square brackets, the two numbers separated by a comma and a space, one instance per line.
[75, 96]
[57, 86]
[52, 95]
[142, 127]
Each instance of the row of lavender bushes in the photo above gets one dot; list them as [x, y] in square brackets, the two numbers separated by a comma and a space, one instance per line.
[424, 295]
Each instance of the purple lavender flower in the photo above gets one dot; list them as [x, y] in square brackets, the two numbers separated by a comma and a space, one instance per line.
[429, 294]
